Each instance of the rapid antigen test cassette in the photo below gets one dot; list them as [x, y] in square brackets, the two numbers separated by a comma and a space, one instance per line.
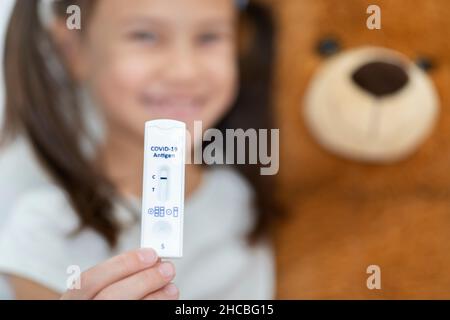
[163, 187]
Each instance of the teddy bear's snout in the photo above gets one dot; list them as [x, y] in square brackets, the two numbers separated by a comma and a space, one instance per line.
[381, 78]
[371, 104]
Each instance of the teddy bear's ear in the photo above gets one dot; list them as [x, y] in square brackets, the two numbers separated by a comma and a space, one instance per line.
[328, 46]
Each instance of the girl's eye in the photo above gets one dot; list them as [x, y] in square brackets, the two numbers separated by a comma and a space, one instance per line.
[209, 38]
[144, 36]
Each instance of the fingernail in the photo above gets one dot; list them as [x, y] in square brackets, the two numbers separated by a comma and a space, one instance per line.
[147, 256]
[166, 269]
[171, 289]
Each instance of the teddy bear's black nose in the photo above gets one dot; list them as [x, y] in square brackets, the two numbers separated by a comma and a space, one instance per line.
[381, 78]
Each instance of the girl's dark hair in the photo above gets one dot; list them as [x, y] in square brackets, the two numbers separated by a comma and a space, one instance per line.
[42, 104]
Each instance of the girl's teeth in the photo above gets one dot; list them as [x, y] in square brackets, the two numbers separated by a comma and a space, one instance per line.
[175, 103]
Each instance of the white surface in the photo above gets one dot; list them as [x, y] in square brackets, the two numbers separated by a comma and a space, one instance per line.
[19, 173]
[217, 262]
[163, 195]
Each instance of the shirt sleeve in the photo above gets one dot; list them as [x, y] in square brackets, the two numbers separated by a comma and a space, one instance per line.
[35, 241]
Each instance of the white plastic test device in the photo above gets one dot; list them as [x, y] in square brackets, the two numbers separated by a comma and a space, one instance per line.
[163, 187]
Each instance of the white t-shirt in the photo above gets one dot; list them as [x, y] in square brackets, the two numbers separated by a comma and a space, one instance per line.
[36, 242]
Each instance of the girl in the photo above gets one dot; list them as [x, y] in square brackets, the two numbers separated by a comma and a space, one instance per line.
[81, 98]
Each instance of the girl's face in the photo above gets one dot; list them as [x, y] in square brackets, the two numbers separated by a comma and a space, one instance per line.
[148, 59]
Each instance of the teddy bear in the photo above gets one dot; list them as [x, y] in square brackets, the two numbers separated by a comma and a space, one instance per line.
[364, 118]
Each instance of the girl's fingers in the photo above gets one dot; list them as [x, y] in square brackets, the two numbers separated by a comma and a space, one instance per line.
[140, 284]
[119, 267]
[169, 292]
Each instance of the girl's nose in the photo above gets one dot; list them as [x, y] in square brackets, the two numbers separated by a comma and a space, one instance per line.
[182, 65]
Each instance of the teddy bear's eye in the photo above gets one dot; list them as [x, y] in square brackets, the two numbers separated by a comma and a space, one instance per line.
[328, 46]
[425, 63]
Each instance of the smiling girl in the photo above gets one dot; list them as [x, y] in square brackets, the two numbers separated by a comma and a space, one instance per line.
[81, 98]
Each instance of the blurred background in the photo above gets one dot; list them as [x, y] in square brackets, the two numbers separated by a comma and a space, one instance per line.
[5, 10]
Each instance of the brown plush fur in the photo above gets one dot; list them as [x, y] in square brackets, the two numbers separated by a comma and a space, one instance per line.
[346, 215]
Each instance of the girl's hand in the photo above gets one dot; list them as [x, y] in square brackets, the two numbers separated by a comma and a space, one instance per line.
[137, 274]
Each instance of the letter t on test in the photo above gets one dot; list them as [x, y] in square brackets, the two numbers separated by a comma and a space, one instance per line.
[163, 187]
